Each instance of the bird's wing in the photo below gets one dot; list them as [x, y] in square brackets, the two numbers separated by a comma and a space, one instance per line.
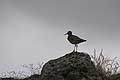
[74, 39]
[77, 39]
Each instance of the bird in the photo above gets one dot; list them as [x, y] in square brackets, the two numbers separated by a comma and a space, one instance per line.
[74, 40]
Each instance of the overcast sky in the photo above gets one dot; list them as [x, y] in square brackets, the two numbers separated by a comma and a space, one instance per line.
[33, 30]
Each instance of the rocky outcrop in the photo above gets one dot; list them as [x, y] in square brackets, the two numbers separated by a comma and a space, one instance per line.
[72, 66]
[115, 77]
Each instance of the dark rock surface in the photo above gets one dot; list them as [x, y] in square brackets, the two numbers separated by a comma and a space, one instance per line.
[72, 66]
[115, 77]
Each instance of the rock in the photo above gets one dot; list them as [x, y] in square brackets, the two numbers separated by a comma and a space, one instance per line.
[33, 77]
[115, 76]
[72, 66]
[7, 78]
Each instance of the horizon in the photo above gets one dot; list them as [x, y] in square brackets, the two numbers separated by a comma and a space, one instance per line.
[33, 31]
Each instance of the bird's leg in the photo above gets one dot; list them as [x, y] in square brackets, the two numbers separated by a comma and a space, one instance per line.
[74, 49]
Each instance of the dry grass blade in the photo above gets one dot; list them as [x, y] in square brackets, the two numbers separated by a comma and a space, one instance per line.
[104, 65]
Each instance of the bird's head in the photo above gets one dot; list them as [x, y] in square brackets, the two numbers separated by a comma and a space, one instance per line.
[68, 33]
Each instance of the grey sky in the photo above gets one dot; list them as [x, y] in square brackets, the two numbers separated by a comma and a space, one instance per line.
[33, 30]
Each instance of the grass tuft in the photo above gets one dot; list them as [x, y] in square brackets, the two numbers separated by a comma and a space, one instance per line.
[104, 65]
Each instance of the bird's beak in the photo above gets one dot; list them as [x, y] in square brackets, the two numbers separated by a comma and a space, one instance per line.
[65, 34]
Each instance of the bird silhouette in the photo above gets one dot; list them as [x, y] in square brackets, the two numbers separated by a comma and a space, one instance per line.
[74, 40]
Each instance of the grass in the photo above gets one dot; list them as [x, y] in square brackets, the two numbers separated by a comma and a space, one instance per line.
[31, 68]
[104, 65]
